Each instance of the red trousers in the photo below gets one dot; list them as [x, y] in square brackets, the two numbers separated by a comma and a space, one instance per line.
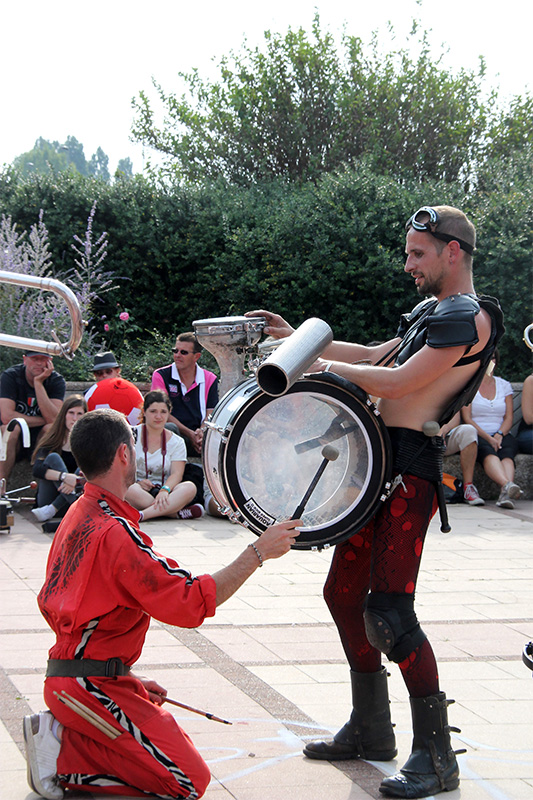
[152, 754]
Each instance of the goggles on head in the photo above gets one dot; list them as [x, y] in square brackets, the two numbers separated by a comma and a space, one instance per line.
[427, 219]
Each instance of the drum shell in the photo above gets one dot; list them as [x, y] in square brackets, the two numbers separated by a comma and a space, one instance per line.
[227, 442]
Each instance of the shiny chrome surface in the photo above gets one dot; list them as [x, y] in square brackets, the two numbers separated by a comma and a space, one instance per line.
[277, 373]
[55, 348]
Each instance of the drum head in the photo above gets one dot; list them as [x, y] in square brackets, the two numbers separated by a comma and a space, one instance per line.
[276, 447]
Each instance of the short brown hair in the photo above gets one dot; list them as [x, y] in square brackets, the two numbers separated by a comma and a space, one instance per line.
[189, 336]
[95, 439]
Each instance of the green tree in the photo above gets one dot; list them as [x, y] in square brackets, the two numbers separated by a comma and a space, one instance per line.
[124, 168]
[300, 107]
[98, 166]
[44, 157]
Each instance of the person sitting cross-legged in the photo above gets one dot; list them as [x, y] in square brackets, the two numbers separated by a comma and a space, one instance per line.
[160, 490]
[54, 466]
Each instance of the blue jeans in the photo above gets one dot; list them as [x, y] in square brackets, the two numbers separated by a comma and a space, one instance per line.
[48, 491]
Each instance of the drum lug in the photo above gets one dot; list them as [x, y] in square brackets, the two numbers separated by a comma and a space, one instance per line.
[224, 432]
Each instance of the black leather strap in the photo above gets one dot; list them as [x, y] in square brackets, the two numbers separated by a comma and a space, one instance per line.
[85, 668]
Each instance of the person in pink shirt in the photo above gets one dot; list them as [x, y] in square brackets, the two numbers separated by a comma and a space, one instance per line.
[193, 391]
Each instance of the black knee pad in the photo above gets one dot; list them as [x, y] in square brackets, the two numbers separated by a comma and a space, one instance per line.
[391, 624]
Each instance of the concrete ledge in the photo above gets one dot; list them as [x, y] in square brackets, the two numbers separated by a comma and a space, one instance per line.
[487, 488]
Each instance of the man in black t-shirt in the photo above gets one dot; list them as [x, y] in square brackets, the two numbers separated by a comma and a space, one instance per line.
[32, 391]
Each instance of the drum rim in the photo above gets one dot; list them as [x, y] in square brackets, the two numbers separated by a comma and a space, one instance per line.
[228, 471]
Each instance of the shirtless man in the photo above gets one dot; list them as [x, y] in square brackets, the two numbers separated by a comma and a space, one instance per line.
[441, 349]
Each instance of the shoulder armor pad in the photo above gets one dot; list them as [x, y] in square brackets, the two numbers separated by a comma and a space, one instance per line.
[406, 320]
[453, 322]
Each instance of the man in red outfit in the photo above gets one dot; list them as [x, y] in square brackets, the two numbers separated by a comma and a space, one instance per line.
[104, 582]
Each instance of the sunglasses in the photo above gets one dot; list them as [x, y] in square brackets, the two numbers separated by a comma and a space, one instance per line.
[176, 350]
[427, 219]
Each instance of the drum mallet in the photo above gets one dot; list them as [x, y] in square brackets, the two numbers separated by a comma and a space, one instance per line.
[329, 453]
[432, 429]
[32, 485]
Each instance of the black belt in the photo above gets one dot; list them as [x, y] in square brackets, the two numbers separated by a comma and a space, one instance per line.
[85, 668]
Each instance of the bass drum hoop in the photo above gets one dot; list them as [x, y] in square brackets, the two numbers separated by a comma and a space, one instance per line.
[346, 393]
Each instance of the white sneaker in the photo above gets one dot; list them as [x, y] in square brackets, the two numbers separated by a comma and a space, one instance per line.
[513, 490]
[44, 513]
[42, 751]
[504, 501]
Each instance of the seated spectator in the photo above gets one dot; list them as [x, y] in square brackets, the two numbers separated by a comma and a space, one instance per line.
[105, 366]
[160, 490]
[54, 466]
[34, 392]
[193, 391]
[525, 428]
[462, 439]
[491, 414]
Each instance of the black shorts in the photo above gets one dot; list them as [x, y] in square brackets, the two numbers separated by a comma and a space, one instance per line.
[509, 448]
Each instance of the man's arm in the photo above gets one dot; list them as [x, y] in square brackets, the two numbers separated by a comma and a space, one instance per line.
[48, 406]
[416, 373]
[279, 328]
[8, 411]
[351, 353]
[273, 543]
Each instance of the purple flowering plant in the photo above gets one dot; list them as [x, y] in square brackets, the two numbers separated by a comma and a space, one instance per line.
[34, 314]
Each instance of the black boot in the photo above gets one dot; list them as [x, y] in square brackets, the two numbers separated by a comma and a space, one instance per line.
[432, 767]
[368, 733]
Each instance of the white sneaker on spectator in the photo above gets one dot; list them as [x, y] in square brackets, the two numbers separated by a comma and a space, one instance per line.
[513, 490]
[504, 501]
[42, 750]
[44, 513]
[471, 495]
[191, 512]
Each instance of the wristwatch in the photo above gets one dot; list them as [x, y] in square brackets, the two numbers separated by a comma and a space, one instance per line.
[62, 476]
[501, 433]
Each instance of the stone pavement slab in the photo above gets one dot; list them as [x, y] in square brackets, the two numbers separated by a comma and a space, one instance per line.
[271, 662]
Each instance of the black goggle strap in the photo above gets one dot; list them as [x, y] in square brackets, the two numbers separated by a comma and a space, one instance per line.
[447, 237]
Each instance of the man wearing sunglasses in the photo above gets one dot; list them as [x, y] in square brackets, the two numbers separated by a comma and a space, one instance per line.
[193, 391]
[105, 366]
[430, 369]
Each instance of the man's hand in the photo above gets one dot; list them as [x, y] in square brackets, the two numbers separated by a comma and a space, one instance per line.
[197, 439]
[276, 325]
[47, 371]
[277, 540]
[156, 692]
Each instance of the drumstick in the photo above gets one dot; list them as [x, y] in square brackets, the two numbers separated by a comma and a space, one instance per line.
[196, 711]
[432, 429]
[88, 714]
[335, 431]
[329, 453]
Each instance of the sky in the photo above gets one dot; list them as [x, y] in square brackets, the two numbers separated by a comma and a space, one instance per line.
[72, 68]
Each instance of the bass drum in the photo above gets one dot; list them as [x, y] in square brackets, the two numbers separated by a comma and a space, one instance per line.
[261, 454]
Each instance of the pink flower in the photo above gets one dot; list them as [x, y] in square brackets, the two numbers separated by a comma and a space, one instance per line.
[106, 327]
[124, 316]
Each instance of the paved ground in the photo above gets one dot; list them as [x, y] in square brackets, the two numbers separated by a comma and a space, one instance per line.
[270, 661]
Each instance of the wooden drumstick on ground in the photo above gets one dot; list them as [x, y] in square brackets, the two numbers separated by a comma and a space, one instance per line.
[196, 711]
[88, 714]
